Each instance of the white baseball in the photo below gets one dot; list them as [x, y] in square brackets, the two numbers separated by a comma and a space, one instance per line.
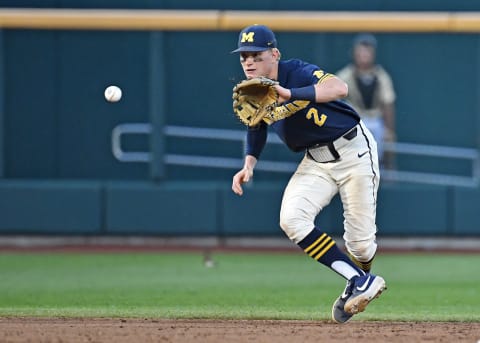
[113, 93]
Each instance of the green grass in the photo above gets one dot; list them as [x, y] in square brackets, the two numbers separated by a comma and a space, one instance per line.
[427, 287]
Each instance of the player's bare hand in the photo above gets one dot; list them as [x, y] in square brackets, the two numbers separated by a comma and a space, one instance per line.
[243, 176]
[283, 94]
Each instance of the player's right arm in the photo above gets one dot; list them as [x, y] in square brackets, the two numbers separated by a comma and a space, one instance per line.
[256, 139]
[244, 175]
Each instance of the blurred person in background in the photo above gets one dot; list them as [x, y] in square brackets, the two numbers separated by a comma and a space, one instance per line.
[371, 93]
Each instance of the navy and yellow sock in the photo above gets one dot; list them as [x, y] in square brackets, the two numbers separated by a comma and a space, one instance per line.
[322, 247]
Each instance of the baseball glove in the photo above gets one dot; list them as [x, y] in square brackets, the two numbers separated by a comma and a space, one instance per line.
[254, 100]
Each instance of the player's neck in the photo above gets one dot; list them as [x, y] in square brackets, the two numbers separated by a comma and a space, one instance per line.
[273, 73]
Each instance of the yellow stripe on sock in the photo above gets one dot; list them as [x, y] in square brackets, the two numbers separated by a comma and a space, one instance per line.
[320, 246]
[315, 243]
[365, 266]
[332, 243]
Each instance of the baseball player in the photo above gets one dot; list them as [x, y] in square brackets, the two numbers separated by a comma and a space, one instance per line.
[340, 156]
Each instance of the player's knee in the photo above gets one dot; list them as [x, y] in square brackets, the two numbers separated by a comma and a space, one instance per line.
[295, 225]
[363, 251]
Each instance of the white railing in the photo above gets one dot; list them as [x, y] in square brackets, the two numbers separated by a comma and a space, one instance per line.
[288, 167]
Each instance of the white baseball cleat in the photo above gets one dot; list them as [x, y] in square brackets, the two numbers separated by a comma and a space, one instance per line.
[358, 293]
[364, 289]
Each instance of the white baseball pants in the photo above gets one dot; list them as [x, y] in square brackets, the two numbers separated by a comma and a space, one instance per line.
[355, 176]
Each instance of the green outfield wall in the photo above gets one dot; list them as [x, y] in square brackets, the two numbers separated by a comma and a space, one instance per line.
[58, 125]
[59, 175]
[210, 209]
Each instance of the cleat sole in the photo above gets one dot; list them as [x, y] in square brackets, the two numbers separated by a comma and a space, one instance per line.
[360, 302]
[337, 315]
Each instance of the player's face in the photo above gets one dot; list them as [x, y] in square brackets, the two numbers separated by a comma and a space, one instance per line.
[261, 63]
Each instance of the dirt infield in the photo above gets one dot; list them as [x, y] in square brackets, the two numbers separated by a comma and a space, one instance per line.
[213, 331]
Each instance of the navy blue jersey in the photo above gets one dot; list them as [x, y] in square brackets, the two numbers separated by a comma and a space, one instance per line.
[303, 123]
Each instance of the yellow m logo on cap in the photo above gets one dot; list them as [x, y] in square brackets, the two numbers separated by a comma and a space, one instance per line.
[247, 37]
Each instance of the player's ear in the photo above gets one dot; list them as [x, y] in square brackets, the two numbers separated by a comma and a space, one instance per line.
[276, 54]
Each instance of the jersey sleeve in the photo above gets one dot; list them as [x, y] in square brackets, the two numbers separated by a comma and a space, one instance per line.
[315, 74]
[321, 75]
[256, 139]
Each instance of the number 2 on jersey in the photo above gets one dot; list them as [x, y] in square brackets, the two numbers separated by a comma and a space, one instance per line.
[316, 119]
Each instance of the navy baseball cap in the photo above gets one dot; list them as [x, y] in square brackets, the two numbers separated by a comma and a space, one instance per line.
[256, 38]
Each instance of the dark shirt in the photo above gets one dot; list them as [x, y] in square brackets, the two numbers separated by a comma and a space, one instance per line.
[303, 123]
